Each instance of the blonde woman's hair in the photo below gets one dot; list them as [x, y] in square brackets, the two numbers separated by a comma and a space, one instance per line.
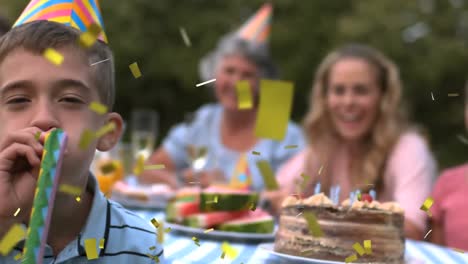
[390, 121]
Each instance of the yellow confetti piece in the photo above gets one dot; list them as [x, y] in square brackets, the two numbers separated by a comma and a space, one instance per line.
[78, 199]
[53, 56]
[139, 166]
[320, 170]
[155, 167]
[14, 235]
[155, 223]
[290, 147]
[256, 153]
[208, 230]
[313, 224]
[368, 246]
[105, 129]
[167, 230]
[108, 167]
[185, 37]
[427, 204]
[152, 248]
[223, 255]
[18, 256]
[359, 249]
[98, 108]
[135, 70]
[91, 248]
[268, 175]
[88, 38]
[37, 136]
[86, 138]
[70, 189]
[253, 206]
[351, 258]
[274, 109]
[459, 250]
[230, 251]
[101, 243]
[207, 82]
[244, 95]
[452, 94]
[17, 212]
[427, 233]
[196, 240]
[161, 233]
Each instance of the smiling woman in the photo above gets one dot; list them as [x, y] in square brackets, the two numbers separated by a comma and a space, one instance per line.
[360, 138]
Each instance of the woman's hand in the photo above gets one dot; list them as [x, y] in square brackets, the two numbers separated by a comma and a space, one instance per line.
[204, 178]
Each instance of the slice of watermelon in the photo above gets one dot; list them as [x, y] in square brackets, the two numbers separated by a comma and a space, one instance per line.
[228, 199]
[188, 194]
[254, 222]
[177, 210]
[207, 220]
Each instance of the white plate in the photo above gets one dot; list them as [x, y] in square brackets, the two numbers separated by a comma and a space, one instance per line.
[220, 235]
[269, 247]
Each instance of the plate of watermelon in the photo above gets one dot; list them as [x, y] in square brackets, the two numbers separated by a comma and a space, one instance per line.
[219, 213]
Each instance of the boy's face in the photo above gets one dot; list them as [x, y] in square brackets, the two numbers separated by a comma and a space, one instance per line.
[36, 93]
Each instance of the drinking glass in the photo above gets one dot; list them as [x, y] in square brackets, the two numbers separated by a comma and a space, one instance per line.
[144, 130]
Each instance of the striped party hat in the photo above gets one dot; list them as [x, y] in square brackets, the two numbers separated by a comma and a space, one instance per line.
[257, 28]
[79, 14]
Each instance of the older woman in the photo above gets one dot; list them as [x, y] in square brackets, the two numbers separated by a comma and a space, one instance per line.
[219, 140]
[359, 137]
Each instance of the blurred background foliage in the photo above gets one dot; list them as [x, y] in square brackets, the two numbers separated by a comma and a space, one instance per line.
[428, 40]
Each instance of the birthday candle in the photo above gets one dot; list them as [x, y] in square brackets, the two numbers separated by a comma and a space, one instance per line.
[373, 194]
[337, 194]
[47, 185]
[317, 188]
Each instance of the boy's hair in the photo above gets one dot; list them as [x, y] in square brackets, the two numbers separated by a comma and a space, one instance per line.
[37, 36]
[4, 26]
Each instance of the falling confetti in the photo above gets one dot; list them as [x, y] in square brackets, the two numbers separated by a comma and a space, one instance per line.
[78, 199]
[152, 248]
[256, 153]
[203, 83]
[208, 230]
[37, 136]
[53, 56]
[196, 240]
[88, 38]
[432, 97]
[155, 223]
[230, 251]
[18, 256]
[70, 189]
[313, 224]
[320, 170]
[268, 176]
[91, 248]
[253, 206]
[427, 204]
[154, 167]
[462, 139]
[86, 138]
[223, 255]
[351, 258]
[17, 212]
[290, 147]
[11, 238]
[427, 233]
[161, 233]
[98, 62]
[185, 37]
[244, 95]
[167, 230]
[98, 108]
[108, 167]
[452, 94]
[135, 70]
[101, 243]
[368, 246]
[358, 248]
[105, 129]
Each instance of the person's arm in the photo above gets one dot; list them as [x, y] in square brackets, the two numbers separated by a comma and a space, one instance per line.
[412, 170]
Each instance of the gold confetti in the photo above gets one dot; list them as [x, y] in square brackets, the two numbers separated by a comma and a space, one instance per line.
[274, 109]
[135, 70]
[223, 255]
[314, 226]
[427, 204]
[432, 96]
[459, 250]
[101, 243]
[91, 248]
[203, 83]
[320, 170]
[368, 246]
[196, 240]
[268, 175]
[108, 167]
[155, 223]
[167, 230]
[208, 230]
[139, 166]
[230, 251]
[37, 136]
[53, 56]
[256, 153]
[351, 258]
[78, 199]
[18, 256]
[152, 248]
[215, 200]
[452, 94]
[427, 233]
[98, 62]
[253, 206]
[161, 233]
[70, 189]
[86, 138]
[244, 95]
[290, 147]
[15, 234]
[358, 248]
[98, 108]
[105, 129]
[155, 167]
[88, 38]
[17, 212]
[185, 37]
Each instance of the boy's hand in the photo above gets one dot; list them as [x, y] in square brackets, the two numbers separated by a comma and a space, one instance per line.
[20, 160]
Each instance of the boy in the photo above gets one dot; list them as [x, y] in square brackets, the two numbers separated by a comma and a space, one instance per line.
[38, 96]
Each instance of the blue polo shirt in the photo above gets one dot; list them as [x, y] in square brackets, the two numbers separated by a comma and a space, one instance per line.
[128, 238]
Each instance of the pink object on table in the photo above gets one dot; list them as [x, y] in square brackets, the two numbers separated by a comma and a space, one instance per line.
[450, 207]
[408, 176]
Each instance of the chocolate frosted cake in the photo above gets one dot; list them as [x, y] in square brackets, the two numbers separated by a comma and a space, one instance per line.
[341, 227]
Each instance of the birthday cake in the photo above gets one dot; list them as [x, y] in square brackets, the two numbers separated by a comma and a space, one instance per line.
[360, 232]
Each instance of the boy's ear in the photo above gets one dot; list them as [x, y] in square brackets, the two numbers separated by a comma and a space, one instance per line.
[108, 141]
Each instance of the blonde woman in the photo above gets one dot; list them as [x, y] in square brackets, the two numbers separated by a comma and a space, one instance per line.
[359, 137]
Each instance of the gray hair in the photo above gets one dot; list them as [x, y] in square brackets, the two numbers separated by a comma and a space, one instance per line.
[233, 44]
